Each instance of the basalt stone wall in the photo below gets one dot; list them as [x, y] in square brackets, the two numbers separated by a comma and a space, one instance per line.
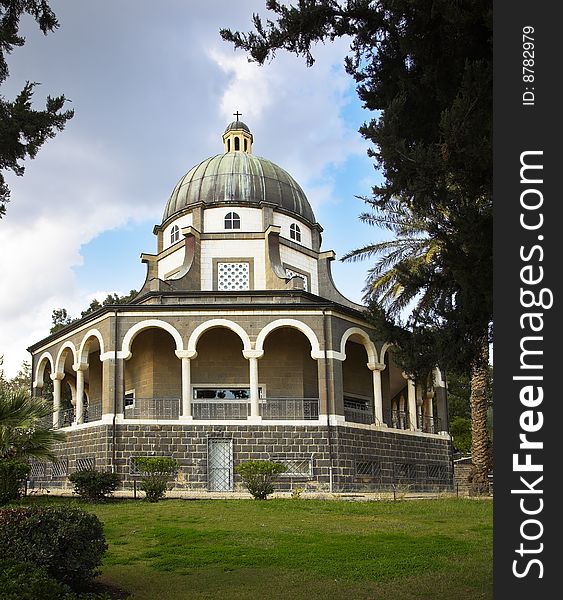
[189, 446]
[363, 459]
[89, 447]
[379, 460]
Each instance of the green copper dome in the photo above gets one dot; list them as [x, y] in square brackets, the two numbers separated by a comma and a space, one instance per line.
[239, 178]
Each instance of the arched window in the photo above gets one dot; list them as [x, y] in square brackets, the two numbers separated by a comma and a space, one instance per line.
[174, 234]
[228, 145]
[232, 221]
[295, 232]
[237, 143]
[245, 145]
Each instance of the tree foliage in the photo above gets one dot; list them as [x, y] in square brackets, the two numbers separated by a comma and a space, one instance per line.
[23, 130]
[60, 317]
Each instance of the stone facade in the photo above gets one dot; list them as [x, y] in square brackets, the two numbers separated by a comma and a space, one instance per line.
[364, 460]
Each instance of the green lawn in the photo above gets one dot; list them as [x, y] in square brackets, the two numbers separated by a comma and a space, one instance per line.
[298, 549]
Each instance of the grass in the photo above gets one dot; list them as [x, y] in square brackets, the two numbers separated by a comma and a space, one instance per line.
[298, 549]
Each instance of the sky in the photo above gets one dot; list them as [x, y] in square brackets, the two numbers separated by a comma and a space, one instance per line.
[153, 87]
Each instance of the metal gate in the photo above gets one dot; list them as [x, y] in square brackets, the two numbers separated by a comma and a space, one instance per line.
[220, 465]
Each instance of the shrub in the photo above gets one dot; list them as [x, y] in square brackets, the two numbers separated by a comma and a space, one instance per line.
[12, 474]
[156, 472]
[25, 581]
[259, 475]
[93, 485]
[67, 542]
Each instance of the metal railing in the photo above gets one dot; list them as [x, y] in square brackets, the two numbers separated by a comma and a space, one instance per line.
[153, 408]
[66, 417]
[430, 424]
[218, 410]
[92, 412]
[359, 415]
[306, 409]
[396, 419]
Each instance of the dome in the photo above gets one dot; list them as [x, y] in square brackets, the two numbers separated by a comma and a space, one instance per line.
[236, 126]
[239, 178]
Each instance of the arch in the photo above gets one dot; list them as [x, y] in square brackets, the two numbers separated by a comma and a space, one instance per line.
[149, 324]
[214, 323]
[40, 368]
[383, 351]
[366, 341]
[82, 358]
[66, 346]
[315, 347]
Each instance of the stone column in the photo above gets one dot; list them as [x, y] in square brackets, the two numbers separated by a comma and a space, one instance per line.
[252, 356]
[419, 413]
[57, 384]
[186, 356]
[411, 395]
[376, 369]
[429, 412]
[80, 368]
[112, 384]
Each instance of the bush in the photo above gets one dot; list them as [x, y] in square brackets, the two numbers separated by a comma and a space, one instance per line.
[12, 475]
[259, 475]
[93, 485]
[25, 581]
[67, 542]
[156, 472]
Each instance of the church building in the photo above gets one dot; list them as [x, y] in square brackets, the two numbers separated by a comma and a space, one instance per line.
[239, 347]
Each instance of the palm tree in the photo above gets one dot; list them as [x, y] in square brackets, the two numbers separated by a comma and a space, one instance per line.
[22, 433]
[421, 271]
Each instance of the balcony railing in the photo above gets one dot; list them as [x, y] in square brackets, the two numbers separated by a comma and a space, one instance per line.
[396, 419]
[290, 408]
[359, 415]
[218, 410]
[93, 412]
[430, 424]
[153, 408]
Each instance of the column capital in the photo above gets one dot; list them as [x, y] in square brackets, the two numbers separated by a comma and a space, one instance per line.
[376, 366]
[248, 354]
[57, 376]
[190, 354]
[81, 366]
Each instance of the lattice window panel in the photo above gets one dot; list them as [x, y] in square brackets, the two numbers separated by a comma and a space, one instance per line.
[289, 273]
[220, 464]
[405, 471]
[38, 469]
[233, 276]
[436, 472]
[296, 467]
[368, 468]
[86, 464]
[60, 468]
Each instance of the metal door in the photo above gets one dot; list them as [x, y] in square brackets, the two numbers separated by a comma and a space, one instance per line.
[220, 465]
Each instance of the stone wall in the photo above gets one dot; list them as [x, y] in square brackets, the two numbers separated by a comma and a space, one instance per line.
[363, 459]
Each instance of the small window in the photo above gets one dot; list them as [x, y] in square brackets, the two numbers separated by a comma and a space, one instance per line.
[232, 221]
[129, 399]
[237, 143]
[174, 234]
[245, 145]
[295, 232]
